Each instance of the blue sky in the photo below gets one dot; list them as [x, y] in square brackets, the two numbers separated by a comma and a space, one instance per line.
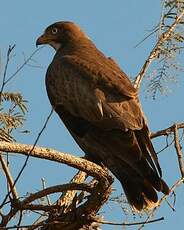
[115, 27]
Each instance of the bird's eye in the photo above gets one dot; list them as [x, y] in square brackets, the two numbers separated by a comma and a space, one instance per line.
[54, 30]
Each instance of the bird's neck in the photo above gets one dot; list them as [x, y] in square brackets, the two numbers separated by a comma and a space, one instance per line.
[79, 47]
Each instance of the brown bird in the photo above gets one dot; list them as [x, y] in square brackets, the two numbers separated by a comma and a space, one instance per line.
[99, 106]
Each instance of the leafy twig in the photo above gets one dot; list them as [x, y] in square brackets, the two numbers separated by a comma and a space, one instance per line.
[155, 51]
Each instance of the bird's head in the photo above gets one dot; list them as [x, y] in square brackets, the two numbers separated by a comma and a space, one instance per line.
[60, 34]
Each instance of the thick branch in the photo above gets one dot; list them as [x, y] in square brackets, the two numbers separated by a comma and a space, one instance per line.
[97, 198]
[53, 155]
[155, 51]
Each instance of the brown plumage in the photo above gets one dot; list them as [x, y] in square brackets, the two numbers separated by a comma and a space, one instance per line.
[100, 107]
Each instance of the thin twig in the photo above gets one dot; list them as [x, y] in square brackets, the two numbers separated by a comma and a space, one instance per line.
[10, 49]
[170, 206]
[175, 185]
[20, 220]
[155, 51]
[22, 66]
[146, 37]
[129, 224]
[44, 186]
[167, 131]
[178, 150]
[27, 226]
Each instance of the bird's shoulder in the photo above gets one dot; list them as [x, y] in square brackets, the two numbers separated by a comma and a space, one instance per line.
[101, 72]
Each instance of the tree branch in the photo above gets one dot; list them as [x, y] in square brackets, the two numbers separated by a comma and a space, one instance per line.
[10, 49]
[67, 197]
[56, 189]
[22, 66]
[8, 177]
[175, 185]
[178, 150]
[167, 131]
[130, 224]
[155, 51]
[90, 168]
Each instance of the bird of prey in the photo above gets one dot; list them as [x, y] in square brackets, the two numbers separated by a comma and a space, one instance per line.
[100, 108]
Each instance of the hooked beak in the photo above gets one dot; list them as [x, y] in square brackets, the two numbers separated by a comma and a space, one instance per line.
[43, 39]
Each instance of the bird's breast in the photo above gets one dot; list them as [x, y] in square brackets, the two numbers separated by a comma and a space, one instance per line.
[74, 93]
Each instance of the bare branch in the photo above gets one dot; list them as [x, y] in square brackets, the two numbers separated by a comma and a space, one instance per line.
[178, 150]
[67, 197]
[8, 177]
[155, 51]
[43, 185]
[56, 189]
[167, 131]
[45, 153]
[175, 185]
[65, 201]
[22, 66]
[130, 224]
[10, 49]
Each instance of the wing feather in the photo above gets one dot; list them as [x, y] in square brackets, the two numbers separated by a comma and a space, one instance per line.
[107, 76]
[106, 92]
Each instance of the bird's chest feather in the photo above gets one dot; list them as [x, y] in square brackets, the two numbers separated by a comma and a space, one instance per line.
[73, 92]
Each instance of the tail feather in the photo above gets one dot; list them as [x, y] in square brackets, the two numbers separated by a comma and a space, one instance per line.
[133, 193]
[141, 190]
[141, 195]
[149, 192]
[129, 155]
[165, 189]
